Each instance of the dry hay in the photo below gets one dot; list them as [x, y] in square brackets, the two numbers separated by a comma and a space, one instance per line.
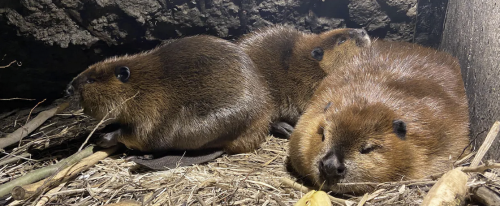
[243, 179]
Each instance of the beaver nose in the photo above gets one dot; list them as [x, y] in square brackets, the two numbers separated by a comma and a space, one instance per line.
[357, 33]
[331, 167]
[70, 90]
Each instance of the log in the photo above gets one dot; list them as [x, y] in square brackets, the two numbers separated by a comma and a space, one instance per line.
[449, 190]
[471, 34]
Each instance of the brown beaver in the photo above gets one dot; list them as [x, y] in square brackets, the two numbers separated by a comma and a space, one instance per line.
[397, 111]
[193, 93]
[289, 61]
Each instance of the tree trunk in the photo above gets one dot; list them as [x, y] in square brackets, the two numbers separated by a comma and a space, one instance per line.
[472, 34]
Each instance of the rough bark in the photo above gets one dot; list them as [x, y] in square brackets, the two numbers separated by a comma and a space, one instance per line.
[56, 39]
[472, 34]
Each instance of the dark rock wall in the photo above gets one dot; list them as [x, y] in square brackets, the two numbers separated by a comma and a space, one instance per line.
[57, 39]
[472, 34]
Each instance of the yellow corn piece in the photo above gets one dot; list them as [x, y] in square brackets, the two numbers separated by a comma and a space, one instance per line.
[314, 198]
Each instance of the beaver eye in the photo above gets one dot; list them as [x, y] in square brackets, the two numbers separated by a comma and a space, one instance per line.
[321, 131]
[317, 53]
[122, 73]
[368, 148]
[341, 40]
[90, 80]
[399, 128]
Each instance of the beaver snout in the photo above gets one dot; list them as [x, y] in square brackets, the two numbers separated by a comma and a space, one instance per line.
[77, 83]
[332, 168]
[361, 36]
[70, 90]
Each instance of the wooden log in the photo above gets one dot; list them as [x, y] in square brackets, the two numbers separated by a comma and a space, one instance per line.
[471, 34]
[449, 190]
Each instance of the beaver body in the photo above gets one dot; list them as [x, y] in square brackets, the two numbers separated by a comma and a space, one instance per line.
[193, 93]
[397, 111]
[289, 61]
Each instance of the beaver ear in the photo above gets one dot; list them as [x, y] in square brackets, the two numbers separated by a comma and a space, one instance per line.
[317, 53]
[122, 73]
[327, 106]
[399, 127]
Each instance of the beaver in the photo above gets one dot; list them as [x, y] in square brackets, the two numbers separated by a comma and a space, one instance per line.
[290, 62]
[193, 93]
[397, 111]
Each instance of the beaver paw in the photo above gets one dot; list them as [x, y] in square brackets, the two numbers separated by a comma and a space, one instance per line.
[107, 140]
[282, 128]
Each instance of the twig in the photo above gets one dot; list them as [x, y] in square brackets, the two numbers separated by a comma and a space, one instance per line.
[302, 188]
[485, 195]
[12, 62]
[363, 200]
[15, 158]
[16, 98]
[31, 111]
[43, 172]
[104, 120]
[463, 160]
[29, 127]
[49, 195]
[24, 192]
[200, 200]
[488, 141]
[481, 168]
[125, 203]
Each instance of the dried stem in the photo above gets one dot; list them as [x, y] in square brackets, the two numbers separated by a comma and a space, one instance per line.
[29, 127]
[68, 173]
[488, 141]
[104, 119]
[43, 172]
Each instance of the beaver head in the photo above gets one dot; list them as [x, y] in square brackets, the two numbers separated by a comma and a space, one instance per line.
[338, 46]
[361, 142]
[107, 87]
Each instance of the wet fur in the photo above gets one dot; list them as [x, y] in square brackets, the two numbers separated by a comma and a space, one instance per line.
[389, 81]
[192, 93]
[283, 55]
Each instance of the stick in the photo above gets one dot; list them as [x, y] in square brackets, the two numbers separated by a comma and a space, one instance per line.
[125, 203]
[485, 196]
[302, 188]
[15, 158]
[488, 141]
[104, 120]
[49, 196]
[16, 98]
[20, 193]
[449, 190]
[22, 132]
[481, 168]
[8, 65]
[43, 172]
